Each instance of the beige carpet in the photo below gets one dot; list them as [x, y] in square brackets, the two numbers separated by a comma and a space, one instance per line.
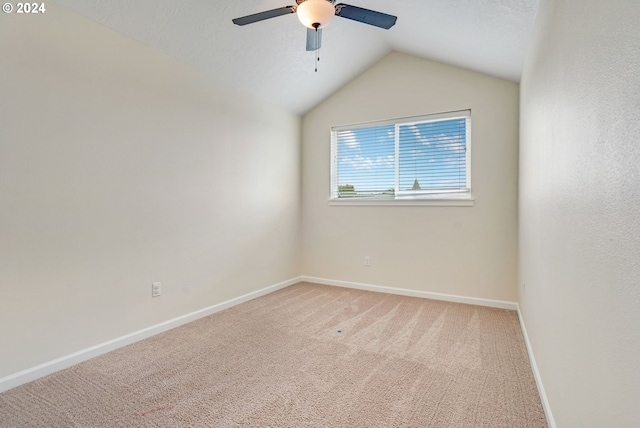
[307, 355]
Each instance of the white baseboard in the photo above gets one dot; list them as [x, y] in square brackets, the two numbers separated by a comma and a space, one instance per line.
[501, 304]
[53, 366]
[536, 374]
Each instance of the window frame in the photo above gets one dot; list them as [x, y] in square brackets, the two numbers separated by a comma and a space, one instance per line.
[442, 198]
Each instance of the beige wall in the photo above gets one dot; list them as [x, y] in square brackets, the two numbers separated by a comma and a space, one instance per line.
[580, 209]
[469, 251]
[120, 167]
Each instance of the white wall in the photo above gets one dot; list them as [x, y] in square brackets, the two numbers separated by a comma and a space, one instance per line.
[120, 167]
[469, 251]
[580, 209]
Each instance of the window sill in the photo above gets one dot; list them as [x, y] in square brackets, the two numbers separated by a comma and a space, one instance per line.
[452, 202]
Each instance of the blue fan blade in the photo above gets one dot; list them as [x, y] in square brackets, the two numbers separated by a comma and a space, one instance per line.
[366, 16]
[250, 19]
[313, 40]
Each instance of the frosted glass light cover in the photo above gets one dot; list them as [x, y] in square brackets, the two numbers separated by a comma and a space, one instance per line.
[316, 11]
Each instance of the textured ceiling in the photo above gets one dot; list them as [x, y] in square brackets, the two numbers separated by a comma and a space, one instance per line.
[268, 58]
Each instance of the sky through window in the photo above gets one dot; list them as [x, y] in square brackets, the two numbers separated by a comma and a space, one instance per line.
[431, 157]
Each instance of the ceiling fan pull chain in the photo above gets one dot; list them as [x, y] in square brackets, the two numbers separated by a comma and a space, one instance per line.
[316, 25]
[318, 50]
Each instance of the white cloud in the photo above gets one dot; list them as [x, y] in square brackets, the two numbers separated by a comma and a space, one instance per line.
[365, 162]
[349, 139]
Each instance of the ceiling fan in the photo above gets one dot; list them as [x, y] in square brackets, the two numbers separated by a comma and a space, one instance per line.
[317, 14]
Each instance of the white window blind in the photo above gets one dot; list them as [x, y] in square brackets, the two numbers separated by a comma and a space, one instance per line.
[426, 157]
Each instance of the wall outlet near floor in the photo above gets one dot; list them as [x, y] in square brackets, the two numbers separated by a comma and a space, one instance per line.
[524, 288]
[367, 261]
[156, 289]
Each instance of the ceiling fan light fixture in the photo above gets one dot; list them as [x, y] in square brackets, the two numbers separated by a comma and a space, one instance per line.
[315, 13]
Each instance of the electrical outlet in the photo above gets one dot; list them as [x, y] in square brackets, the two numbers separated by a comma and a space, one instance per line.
[367, 261]
[524, 288]
[156, 289]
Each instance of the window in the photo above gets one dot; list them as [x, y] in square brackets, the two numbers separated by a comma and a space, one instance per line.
[410, 160]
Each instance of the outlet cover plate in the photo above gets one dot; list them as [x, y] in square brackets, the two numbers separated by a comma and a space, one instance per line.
[156, 289]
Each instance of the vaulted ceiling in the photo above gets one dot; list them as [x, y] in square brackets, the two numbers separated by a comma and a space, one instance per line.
[268, 58]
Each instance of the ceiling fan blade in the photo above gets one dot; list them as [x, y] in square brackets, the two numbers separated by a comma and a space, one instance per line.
[261, 16]
[313, 40]
[371, 17]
